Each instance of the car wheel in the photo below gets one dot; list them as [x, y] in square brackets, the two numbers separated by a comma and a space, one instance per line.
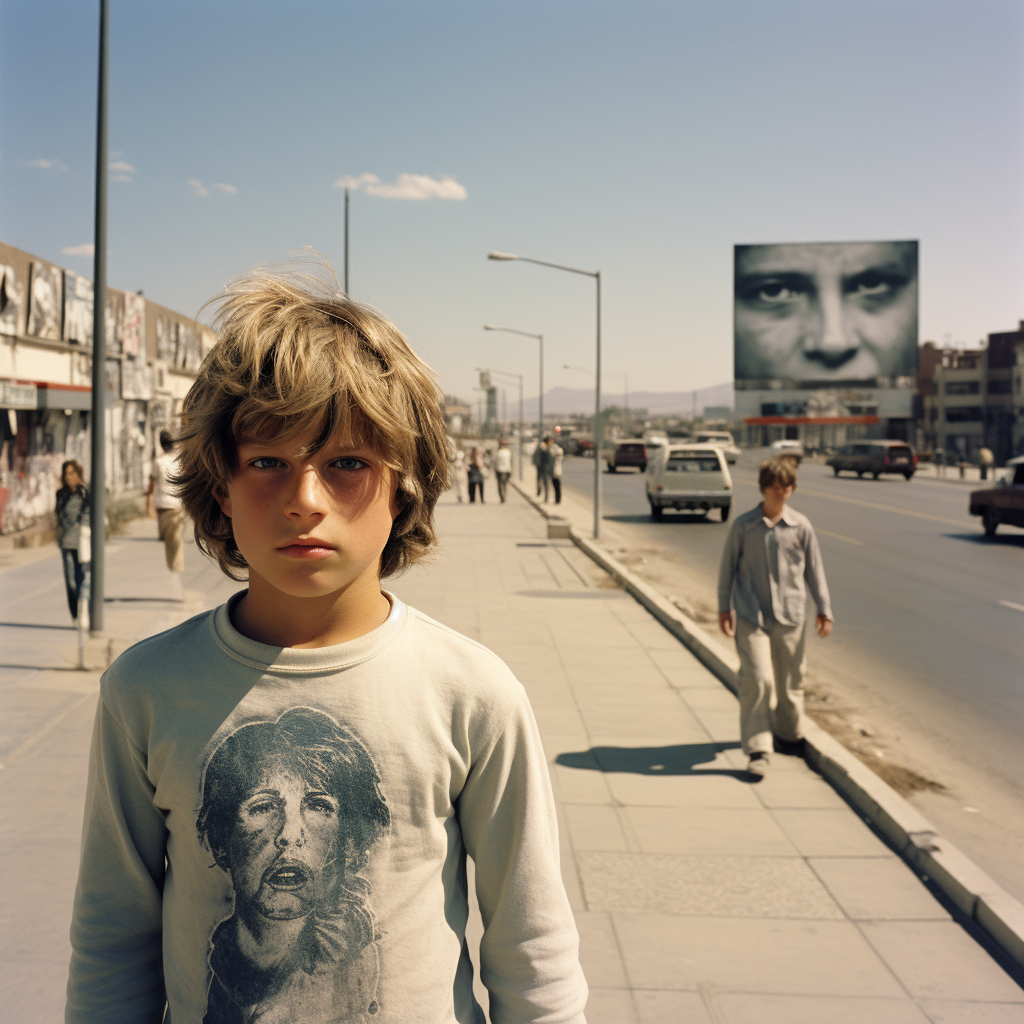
[656, 512]
[860, 473]
[611, 467]
[875, 476]
[990, 520]
[725, 510]
[643, 468]
[835, 470]
[907, 476]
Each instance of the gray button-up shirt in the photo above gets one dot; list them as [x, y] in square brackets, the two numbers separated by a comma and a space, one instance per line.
[764, 569]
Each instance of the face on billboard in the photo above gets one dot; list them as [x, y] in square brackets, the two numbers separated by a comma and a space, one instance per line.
[826, 312]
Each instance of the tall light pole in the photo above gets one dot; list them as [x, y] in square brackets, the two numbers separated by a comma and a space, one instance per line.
[517, 377]
[540, 400]
[346, 243]
[97, 514]
[598, 429]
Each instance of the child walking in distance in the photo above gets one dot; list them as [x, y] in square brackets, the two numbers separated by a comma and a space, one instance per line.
[283, 792]
[769, 556]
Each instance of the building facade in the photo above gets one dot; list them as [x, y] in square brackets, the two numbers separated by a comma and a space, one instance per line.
[46, 323]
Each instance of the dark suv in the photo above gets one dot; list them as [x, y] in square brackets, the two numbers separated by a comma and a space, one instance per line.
[628, 453]
[876, 458]
[1003, 503]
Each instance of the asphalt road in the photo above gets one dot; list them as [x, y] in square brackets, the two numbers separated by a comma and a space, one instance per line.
[929, 638]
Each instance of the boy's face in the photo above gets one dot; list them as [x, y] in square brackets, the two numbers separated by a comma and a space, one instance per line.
[310, 525]
[776, 495]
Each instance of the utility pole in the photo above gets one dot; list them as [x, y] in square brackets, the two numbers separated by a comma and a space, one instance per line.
[346, 242]
[98, 508]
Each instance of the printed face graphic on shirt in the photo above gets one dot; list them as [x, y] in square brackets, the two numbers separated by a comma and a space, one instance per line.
[284, 840]
[291, 810]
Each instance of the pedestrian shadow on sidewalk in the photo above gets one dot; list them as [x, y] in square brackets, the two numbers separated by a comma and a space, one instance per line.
[679, 759]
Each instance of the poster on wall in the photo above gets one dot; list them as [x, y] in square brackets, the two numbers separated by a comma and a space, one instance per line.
[12, 301]
[77, 310]
[136, 379]
[134, 331]
[825, 329]
[44, 301]
[114, 320]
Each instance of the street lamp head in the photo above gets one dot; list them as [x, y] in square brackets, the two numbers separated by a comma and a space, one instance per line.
[491, 327]
[495, 255]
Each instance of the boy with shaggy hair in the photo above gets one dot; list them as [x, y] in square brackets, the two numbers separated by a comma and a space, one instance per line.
[283, 791]
[770, 553]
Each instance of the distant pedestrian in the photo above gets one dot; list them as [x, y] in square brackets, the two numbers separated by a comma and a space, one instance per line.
[460, 473]
[557, 454]
[987, 460]
[770, 554]
[476, 472]
[503, 467]
[163, 502]
[542, 460]
[72, 515]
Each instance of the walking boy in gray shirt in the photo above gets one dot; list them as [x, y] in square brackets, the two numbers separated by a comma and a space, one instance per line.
[770, 554]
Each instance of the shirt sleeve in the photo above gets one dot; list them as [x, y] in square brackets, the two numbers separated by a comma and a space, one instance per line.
[116, 972]
[529, 955]
[814, 573]
[727, 569]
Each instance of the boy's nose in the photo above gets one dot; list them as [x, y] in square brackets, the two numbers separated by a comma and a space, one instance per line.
[308, 496]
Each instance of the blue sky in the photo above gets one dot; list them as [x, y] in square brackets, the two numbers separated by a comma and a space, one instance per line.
[640, 139]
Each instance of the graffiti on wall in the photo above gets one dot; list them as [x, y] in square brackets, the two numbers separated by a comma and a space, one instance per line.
[136, 379]
[12, 301]
[134, 332]
[78, 301]
[44, 301]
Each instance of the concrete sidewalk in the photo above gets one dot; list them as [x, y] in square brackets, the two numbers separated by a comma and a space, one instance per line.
[699, 896]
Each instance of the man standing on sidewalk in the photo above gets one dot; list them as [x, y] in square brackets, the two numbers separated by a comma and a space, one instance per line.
[771, 552]
[163, 502]
[503, 467]
[542, 460]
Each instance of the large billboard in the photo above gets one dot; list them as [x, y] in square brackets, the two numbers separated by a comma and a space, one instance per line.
[825, 330]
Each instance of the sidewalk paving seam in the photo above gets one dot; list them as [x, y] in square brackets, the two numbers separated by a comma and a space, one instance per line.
[979, 898]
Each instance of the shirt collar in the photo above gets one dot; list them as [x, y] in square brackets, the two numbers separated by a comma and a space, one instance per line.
[788, 517]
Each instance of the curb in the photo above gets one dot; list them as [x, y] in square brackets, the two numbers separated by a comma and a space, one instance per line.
[907, 831]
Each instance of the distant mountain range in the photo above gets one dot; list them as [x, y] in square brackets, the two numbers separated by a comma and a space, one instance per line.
[659, 403]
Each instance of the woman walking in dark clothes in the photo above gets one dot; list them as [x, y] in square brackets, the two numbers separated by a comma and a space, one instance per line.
[72, 512]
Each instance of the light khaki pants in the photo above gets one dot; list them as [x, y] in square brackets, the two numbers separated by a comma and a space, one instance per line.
[171, 524]
[771, 682]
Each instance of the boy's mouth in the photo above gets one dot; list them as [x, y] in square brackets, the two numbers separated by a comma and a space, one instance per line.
[306, 547]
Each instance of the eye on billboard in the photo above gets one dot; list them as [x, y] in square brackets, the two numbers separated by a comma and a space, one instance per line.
[818, 326]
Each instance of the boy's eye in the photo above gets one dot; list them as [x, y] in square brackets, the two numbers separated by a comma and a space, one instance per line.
[350, 462]
[265, 462]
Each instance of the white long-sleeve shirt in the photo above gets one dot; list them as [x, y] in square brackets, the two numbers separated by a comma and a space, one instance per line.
[277, 835]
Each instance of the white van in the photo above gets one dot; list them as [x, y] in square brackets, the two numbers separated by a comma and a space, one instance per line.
[722, 438]
[689, 476]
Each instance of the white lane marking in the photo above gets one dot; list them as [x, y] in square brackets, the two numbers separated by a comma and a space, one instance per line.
[887, 508]
[1012, 604]
[840, 536]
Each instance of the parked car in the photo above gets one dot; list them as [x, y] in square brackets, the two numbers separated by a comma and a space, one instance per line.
[627, 453]
[691, 476]
[1003, 503]
[724, 441]
[875, 457]
[794, 449]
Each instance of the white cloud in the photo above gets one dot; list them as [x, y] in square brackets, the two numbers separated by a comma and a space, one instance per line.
[230, 189]
[197, 187]
[86, 249]
[356, 181]
[121, 165]
[46, 165]
[405, 186]
[121, 177]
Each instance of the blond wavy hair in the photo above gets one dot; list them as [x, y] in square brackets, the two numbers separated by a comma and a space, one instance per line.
[294, 354]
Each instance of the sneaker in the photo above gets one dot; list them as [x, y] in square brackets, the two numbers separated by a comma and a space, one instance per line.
[758, 766]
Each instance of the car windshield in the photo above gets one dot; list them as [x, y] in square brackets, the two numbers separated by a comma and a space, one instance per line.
[686, 463]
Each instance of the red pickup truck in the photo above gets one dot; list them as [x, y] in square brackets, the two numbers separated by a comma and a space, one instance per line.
[1003, 503]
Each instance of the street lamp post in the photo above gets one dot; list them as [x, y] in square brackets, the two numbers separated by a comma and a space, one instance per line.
[539, 338]
[598, 431]
[516, 377]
